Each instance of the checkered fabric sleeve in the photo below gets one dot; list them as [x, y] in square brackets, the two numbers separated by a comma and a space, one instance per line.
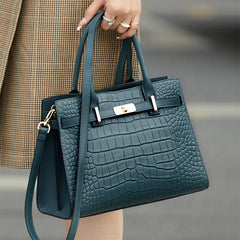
[38, 46]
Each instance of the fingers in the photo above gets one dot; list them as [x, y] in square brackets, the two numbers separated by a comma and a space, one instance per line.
[91, 11]
[124, 14]
[132, 30]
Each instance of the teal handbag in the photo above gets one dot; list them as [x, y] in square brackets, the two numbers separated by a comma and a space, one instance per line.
[114, 148]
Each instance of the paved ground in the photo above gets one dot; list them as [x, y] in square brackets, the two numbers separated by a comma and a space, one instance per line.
[204, 52]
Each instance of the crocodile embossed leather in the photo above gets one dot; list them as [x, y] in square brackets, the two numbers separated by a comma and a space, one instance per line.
[134, 151]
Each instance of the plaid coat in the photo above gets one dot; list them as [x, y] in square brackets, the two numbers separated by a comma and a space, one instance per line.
[38, 46]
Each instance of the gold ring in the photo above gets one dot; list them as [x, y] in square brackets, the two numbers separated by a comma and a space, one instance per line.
[135, 23]
[125, 25]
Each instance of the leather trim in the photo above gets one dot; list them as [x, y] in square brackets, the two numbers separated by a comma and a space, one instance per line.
[140, 107]
[46, 104]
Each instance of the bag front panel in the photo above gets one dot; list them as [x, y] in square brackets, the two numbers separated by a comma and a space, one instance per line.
[136, 158]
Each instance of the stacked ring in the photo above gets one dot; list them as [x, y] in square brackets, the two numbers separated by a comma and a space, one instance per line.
[109, 21]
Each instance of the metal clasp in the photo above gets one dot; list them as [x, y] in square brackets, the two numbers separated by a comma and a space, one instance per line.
[123, 109]
[155, 108]
[45, 122]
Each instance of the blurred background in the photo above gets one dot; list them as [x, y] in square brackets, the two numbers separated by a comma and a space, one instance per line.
[199, 42]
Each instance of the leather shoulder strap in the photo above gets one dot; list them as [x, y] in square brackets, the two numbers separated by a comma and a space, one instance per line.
[85, 107]
[32, 181]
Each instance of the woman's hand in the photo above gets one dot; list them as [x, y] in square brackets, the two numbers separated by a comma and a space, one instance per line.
[126, 12]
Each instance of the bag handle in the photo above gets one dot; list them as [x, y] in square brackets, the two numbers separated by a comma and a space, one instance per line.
[147, 87]
[125, 55]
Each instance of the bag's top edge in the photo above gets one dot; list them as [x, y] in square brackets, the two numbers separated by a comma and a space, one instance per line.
[113, 88]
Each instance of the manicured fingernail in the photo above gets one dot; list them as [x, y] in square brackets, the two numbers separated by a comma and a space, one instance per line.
[118, 37]
[81, 23]
[79, 27]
